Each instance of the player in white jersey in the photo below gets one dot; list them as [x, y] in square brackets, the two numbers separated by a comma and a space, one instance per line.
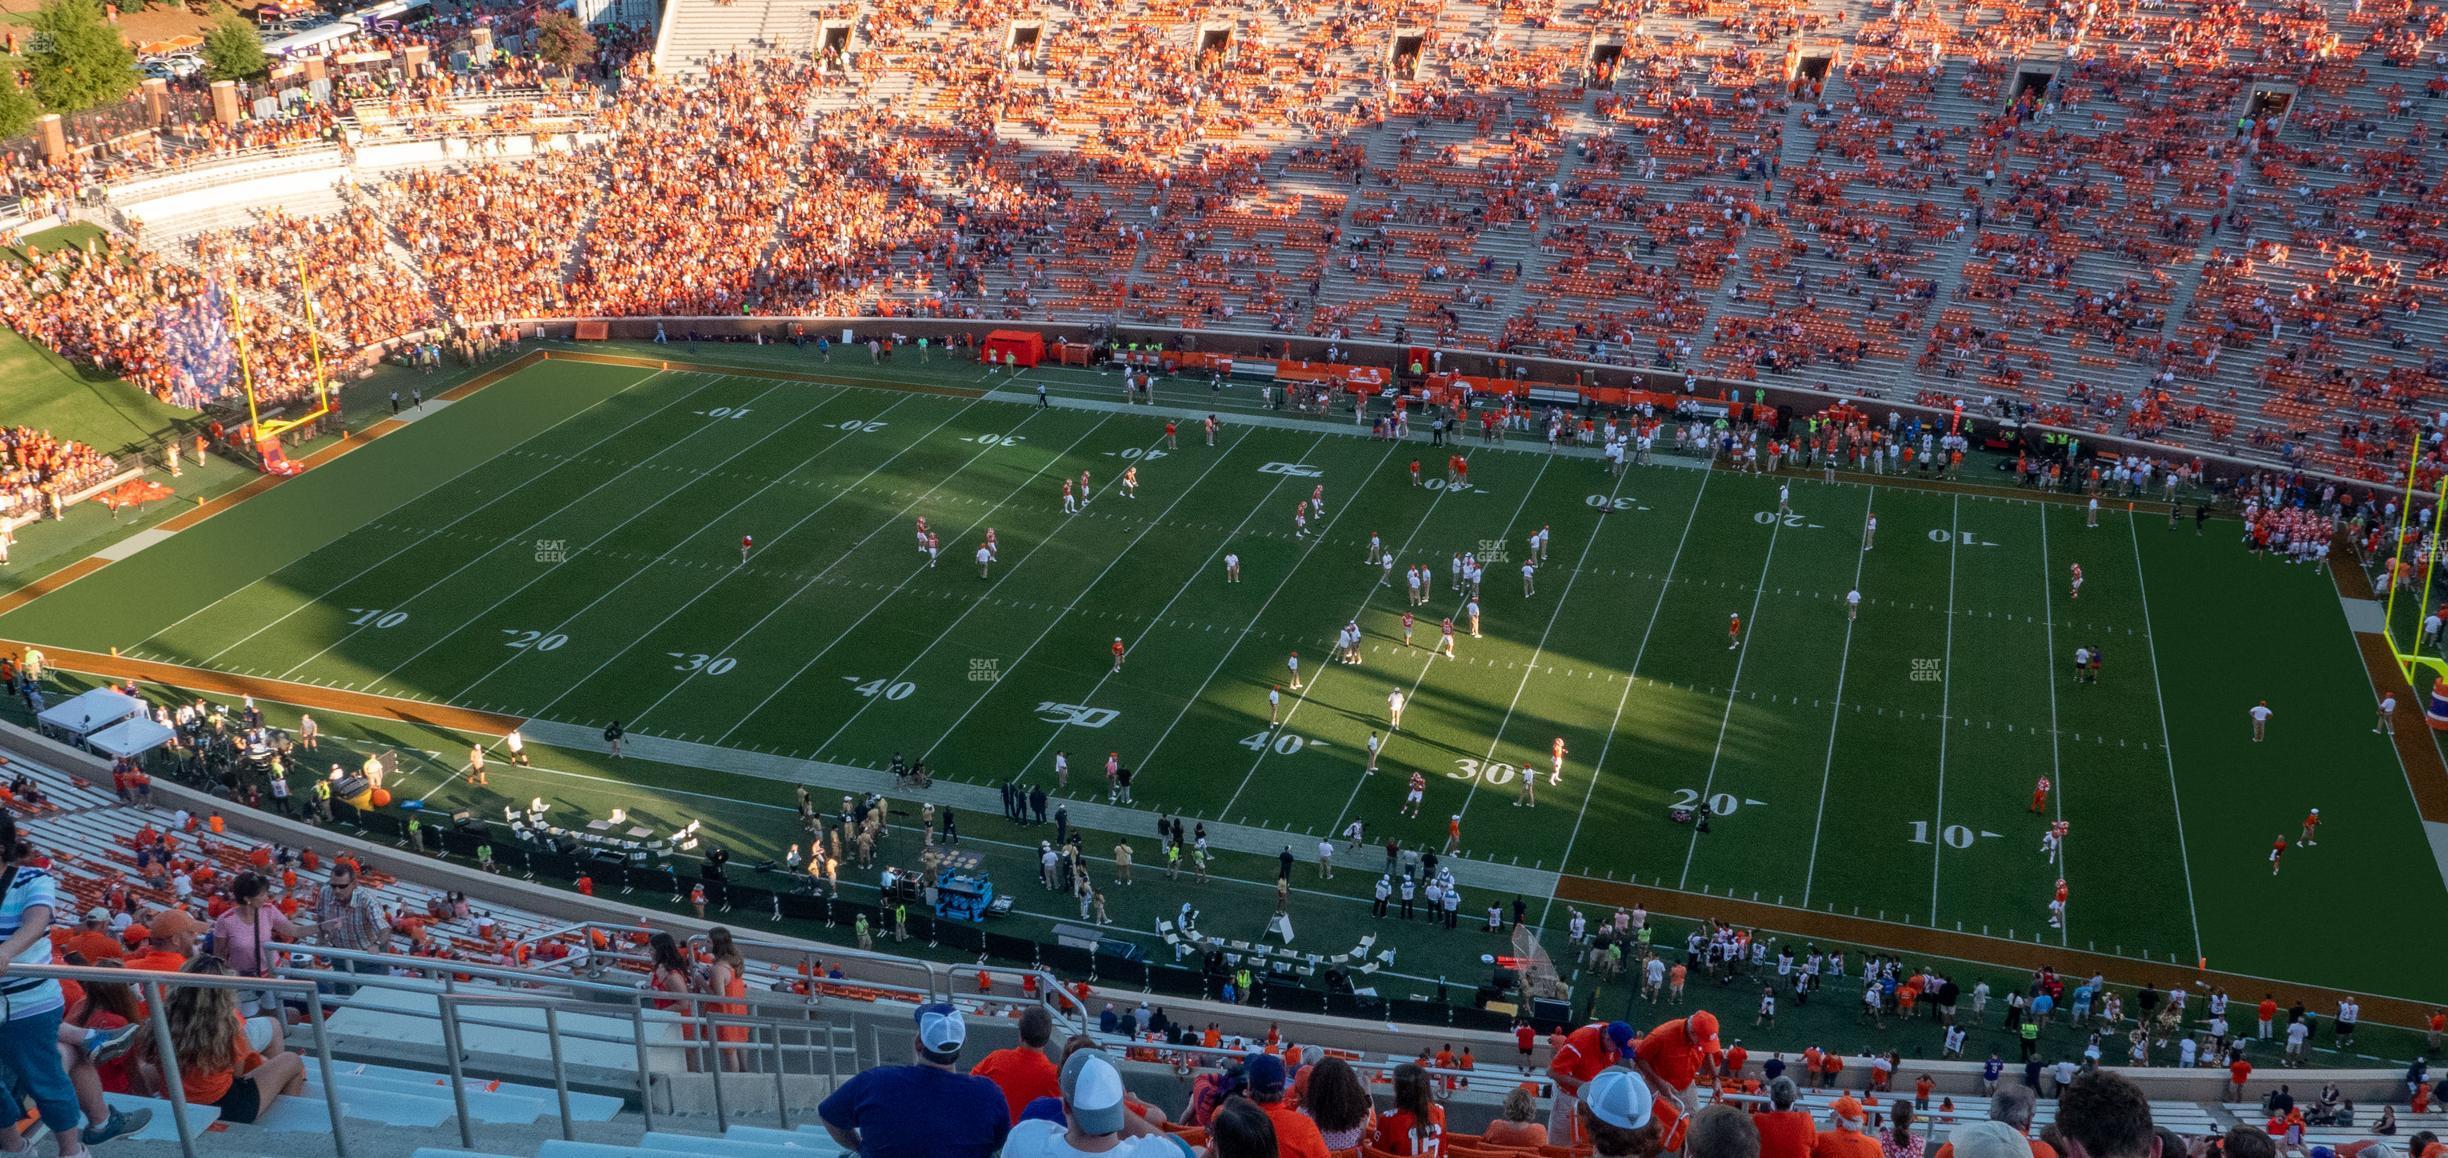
[1529, 579]
[1411, 577]
[1869, 530]
[1385, 569]
[1853, 604]
[1232, 567]
[1375, 548]
[1784, 499]
[1293, 662]
[1471, 609]
[985, 559]
[1394, 710]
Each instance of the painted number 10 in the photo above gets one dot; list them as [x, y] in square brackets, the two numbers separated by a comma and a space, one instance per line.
[1955, 835]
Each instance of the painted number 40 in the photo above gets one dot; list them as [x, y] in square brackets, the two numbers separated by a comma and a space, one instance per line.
[1284, 743]
[889, 690]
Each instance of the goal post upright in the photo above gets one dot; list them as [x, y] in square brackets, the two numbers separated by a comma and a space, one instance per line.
[2413, 659]
[259, 428]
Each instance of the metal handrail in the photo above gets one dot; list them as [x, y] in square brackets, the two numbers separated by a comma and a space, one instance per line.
[1068, 1009]
[155, 986]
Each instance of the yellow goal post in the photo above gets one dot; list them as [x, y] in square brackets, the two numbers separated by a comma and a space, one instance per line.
[2420, 540]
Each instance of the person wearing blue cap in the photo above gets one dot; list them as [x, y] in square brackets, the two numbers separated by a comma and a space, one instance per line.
[1615, 1115]
[923, 1110]
[1585, 1052]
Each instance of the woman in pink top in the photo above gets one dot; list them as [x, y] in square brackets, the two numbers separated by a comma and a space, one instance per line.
[245, 935]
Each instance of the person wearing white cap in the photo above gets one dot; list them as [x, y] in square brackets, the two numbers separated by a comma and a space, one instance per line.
[1847, 1135]
[1095, 1120]
[1615, 1110]
[923, 1110]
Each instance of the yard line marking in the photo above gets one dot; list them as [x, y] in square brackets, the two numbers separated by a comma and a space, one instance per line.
[1320, 677]
[787, 600]
[520, 535]
[1733, 693]
[1250, 628]
[2166, 743]
[1631, 677]
[2048, 599]
[436, 488]
[650, 564]
[1055, 620]
[1946, 687]
[897, 588]
[1527, 672]
[632, 517]
[1226, 540]
[1827, 770]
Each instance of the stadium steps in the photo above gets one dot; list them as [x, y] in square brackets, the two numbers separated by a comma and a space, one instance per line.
[696, 32]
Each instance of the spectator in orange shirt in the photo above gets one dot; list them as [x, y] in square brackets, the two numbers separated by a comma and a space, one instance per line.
[1584, 1053]
[170, 939]
[93, 939]
[1295, 1135]
[1671, 1053]
[1847, 1135]
[1024, 1072]
[217, 1065]
[1785, 1132]
[1517, 1129]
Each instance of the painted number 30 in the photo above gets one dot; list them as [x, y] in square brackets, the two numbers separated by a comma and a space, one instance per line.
[698, 661]
[1486, 772]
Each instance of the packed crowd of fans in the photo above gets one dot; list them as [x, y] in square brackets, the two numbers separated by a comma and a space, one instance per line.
[38, 470]
[2199, 222]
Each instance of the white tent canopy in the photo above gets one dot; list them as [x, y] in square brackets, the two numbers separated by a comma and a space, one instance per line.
[129, 738]
[91, 712]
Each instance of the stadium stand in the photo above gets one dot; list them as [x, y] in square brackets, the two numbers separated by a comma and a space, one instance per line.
[2197, 224]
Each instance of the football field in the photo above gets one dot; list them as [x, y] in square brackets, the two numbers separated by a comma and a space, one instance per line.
[563, 547]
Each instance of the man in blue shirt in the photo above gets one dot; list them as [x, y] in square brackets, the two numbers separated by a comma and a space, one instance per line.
[923, 1110]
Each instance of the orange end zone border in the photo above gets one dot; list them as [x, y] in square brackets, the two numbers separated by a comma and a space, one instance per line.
[308, 696]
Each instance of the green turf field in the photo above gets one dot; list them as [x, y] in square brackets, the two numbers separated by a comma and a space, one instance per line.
[563, 547]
